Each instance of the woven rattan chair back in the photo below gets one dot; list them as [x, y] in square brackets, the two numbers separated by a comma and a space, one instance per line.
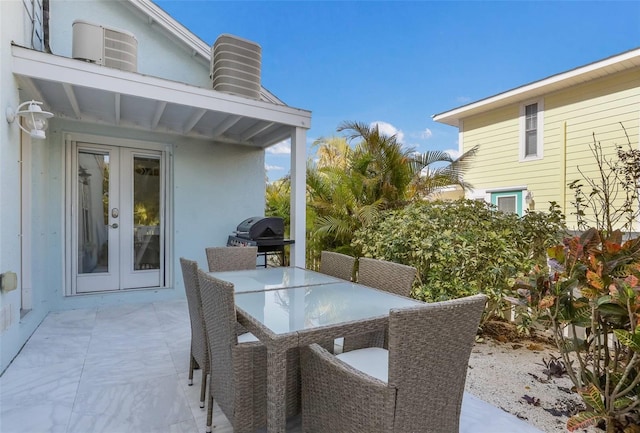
[383, 275]
[199, 355]
[238, 380]
[222, 259]
[218, 305]
[429, 349]
[388, 276]
[337, 265]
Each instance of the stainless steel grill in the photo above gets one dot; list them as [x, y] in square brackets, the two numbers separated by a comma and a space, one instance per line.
[267, 233]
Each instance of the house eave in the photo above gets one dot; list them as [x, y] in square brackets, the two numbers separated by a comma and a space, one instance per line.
[83, 91]
[155, 15]
[618, 63]
[198, 48]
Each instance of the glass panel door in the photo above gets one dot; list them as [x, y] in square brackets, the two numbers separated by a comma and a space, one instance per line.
[142, 258]
[146, 213]
[117, 219]
[96, 246]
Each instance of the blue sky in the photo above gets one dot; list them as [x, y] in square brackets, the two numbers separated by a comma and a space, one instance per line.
[401, 62]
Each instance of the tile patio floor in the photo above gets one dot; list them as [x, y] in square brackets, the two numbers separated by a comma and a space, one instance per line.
[124, 370]
[111, 370]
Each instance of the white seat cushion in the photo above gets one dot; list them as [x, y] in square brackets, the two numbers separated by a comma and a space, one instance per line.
[476, 416]
[247, 337]
[373, 361]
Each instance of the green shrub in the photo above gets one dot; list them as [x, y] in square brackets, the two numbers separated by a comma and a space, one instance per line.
[461, 248]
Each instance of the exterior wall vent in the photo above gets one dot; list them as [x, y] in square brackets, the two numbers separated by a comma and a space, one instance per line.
[235, 66]
[105, 46]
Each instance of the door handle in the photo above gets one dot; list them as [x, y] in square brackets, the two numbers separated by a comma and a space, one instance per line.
[114, 225]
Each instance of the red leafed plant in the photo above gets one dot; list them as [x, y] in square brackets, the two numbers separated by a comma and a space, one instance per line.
[590, 296]
[594, 287]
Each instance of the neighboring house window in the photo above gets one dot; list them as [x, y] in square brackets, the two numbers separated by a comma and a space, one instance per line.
[508, 201]
[531, 130]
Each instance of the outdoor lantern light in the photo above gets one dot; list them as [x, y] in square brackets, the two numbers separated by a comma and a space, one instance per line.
[34, 118]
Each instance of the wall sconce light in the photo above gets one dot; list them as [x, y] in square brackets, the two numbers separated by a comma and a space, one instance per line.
[34, 118]
[529, 197]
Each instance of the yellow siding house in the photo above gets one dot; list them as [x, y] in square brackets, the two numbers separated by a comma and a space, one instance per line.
[534, 139]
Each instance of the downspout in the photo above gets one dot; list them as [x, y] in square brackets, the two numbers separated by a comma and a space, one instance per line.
[25, 237]
[45, 26]
[22, 228]
[563, 175]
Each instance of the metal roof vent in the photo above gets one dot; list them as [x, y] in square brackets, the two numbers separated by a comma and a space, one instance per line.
[235, 66]
[105, 46]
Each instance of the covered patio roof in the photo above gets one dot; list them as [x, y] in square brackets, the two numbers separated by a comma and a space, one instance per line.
[77, 90]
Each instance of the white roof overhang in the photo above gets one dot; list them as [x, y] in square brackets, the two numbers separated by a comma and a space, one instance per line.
[78, 90]
[611, 65]
[155, 16]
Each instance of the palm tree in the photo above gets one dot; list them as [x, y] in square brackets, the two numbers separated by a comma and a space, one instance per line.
[336, 199]
[333, 152]
[398, 174]
[381, 162]
[348, 186]
[436, 169]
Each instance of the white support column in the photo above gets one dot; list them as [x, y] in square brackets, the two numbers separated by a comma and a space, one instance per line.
[298, 196]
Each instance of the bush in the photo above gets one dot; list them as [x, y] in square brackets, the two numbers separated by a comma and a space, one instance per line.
[461, 248]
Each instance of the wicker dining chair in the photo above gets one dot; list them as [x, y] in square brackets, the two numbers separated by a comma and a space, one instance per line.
[415, 386]
[238, 375]
[337, 265]
[391, 277]
[199, 353]
[222, 259]
[388, 276]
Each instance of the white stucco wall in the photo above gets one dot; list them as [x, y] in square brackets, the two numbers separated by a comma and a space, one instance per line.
[14, 330]
[157, 55]
[213, 185]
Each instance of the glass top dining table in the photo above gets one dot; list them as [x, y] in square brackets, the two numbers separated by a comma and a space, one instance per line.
[261, 279]
[297, 307]
[305, 308]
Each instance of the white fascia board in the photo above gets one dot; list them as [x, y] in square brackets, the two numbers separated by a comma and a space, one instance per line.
[180, 32]
[196, 45]
[507, 188]
[43, 66]
[625, 60]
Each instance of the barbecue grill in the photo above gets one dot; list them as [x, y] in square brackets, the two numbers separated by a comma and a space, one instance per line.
[266, 233]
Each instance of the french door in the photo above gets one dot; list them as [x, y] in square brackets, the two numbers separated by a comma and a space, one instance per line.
[117, 218]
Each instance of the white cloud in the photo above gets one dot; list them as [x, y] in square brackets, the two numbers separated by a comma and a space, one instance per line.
[426, 134]
[453, 153]
[273, 167]
[282, 148]
[463, 99]
[389, 130]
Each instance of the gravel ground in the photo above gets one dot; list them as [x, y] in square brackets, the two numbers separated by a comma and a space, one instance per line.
[504, 373]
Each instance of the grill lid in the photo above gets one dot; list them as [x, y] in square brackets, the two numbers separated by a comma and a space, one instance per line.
[261, 228]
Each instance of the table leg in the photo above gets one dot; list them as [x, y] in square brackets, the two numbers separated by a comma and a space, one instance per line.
[276, 389]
